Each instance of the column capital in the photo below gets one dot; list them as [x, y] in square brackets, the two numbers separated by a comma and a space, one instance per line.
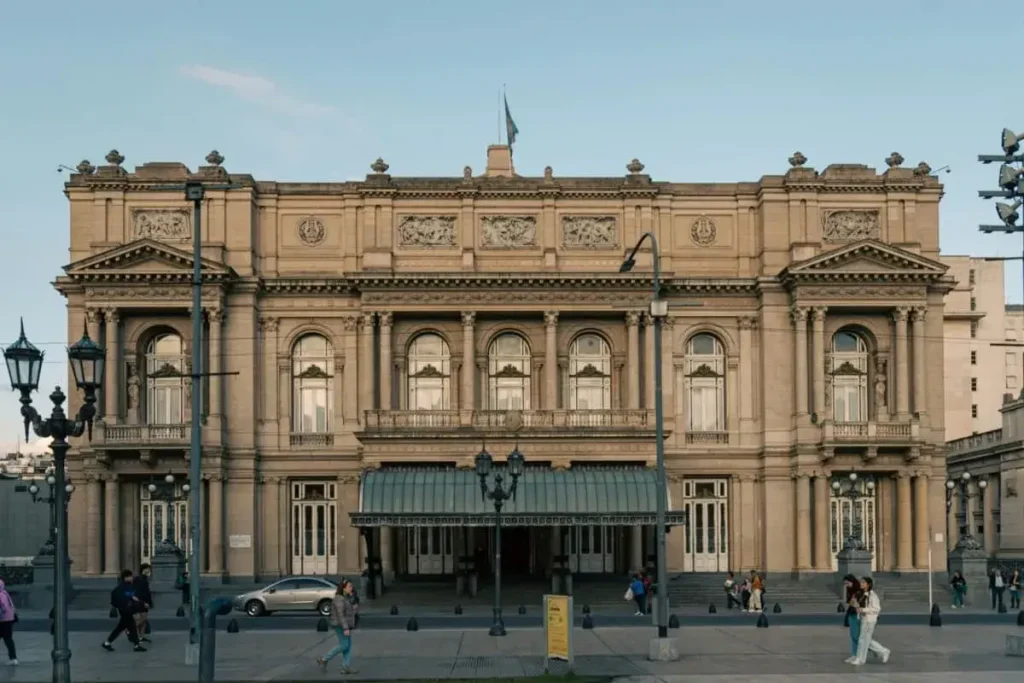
[215, 314]
[818, 313]
[632, 318]
[213, 476]
[800, 474]
[367, 318]
[550, 318]
[111, 315]
[92, 315]
[270, 323]
[904, 474]
[748, 477]
[746, 322]
[351, 322]
[799, 314]
[900, 313]
[666, 323]
[920, 313]
[647, 319]
[385, 319]
[468, 319]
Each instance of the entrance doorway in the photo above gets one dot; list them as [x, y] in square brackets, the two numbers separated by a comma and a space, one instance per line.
[591, 549]
[164, 520]
[516, 550]
[706, 507]
[429, 550]
[314, 532]
[846, 515]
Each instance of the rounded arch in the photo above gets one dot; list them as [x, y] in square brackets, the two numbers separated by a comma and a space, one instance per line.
[865, 335]
[704, 344]
[428, 371]
[142, 336]
[506, 330]
[601, 334]
[589, 372]
[312, 343]
[848, 367]
[425, 332]
[509, 370]
[306, 329]
[717, 331]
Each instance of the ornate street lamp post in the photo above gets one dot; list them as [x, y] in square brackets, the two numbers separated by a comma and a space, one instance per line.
[961, 488]
[847, 487]
[51, 500]
[24, 364]
[498, 495]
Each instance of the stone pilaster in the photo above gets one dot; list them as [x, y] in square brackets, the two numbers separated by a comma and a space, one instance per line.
[550, 360]
[747, 363]
[365, 371]
[468, 392]
[350, 379]
[920, 374]
[803, 520]
[215, 496]
[269, 326]
[112, 383]
[93, 493]
[215, 319]
[386, 381]
[112, 532]
[899, 317]
[904, 523]
[822, 533]
[648, 361]
[922, 530]
[818, 325]
[633, 360]
[987, 518]
[801, 380]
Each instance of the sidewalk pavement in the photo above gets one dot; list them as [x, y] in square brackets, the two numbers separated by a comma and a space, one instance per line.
[735, 654]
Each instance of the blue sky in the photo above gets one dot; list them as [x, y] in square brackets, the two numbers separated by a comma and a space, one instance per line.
[316, 90]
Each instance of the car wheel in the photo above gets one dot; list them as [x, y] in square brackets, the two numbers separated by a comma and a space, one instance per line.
[254, 608]
[324, 608]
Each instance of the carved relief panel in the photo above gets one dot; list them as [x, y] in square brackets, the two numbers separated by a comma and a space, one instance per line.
[846, 225]
[589, 232]
[427, 232]
[161, 224]
[508, 232]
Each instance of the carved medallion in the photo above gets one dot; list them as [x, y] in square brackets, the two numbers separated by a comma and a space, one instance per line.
[508, 232]
[703, 231]
[589, 232]
[311, 231]
[161, 224]
[427, 232]
[846, 225]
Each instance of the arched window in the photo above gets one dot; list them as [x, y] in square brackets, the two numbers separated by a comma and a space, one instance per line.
[508, 376]
[849, 373]
[312, 375]
[166, 384]
[430, 382]
[590, 373]
[704, 378]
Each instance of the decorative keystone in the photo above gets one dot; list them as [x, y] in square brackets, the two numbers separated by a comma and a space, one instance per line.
[114, 158]
[635, 167]
[85, 168]
[894, 160]
[215, 158]
[923, 169]
[379, 167]
[797, 160]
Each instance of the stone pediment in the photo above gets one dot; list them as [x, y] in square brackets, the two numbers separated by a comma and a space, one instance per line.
[865, 260]
[144, 260]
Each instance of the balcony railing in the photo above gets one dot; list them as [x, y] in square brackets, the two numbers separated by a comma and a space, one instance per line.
[311, 439]
[871, 431]
[975, 442]
[517, 420]
[708, 438]
[411, 419]
[132, 434]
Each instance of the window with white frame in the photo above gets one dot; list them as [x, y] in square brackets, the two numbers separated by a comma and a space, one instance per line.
[704, 383]
[429, 376]
[312, 377]
[508, 373]
[849, 376]
[165, 380]
[590, 373]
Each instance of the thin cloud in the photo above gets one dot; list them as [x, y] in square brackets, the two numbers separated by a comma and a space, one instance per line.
[257, 90]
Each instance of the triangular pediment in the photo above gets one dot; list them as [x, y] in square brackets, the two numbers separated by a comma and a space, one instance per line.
[867, 257]
[144, 259]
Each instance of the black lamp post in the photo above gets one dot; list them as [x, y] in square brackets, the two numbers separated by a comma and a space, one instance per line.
[498, 495]
[24, 364]
[847, 487]
[51, 500]
[960, 487]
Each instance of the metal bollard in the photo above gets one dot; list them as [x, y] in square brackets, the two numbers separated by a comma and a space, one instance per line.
[208, 637]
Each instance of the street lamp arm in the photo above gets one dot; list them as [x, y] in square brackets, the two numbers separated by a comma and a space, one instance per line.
[58, 426]
[630, 261]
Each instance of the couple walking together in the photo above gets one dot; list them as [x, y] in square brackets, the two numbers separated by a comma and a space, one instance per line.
[863, 608]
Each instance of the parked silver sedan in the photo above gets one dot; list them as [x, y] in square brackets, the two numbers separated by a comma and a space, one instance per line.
[296, 593]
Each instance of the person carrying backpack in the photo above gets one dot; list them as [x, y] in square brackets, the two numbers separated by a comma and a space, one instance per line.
[127, 603]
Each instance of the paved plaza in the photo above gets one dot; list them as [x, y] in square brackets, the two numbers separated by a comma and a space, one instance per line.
[708, 654]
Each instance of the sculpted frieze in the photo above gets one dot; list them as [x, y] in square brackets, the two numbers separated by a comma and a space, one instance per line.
[164, 292]
[589, 232]
[508, 232]
[443, 297]
[427, 232]
[161, 224]
[846, 225]
[863, 292]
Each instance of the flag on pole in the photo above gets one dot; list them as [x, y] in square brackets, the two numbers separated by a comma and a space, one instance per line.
[511, 130]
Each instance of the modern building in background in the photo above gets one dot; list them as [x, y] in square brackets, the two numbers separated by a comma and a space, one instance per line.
[366, 339]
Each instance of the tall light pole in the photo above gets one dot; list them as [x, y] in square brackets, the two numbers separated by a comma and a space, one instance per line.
[659, 310]
[24, 365]
[1011, 186]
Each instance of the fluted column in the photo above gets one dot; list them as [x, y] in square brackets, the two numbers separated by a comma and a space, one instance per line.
[386, 382]
[904, 523]
[822, 499]
[799, 316]
[112, 383]
[215, 318]
[921, 528]
[112, 533]
[920, 373]
[468, 393]
[648, 361]
[551, 360]
[899, 316]
[746, 325]
[986, 516]
[365, 371]
[633, 360]
[93, 522]
[351, 377]
[216, 523]
[818, 325]
[803, 521]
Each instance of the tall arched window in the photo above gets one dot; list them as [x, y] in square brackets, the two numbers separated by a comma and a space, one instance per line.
[704, 377]
[165, 380]
[590, 373]
[312, 374]
[508, 376]
[849, 373]
[430, 382]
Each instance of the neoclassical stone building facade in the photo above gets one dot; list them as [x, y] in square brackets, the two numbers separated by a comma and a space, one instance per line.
[366, 339]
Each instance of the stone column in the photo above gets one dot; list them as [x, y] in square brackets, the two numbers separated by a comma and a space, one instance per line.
[952, 525]
[216, 523]
[387, 566]
[799, 316]
[365, 371]
[818, 324]
[112, 532]
[93, 521]
[112, 383]
[750, 532]
[386, 382]
[922, 531]
[468, 391]
[270, 327]
[272, 540]
[668, 371]
[633, 360]
[747, 361]
[636, 548]
[920, 374]
[822, 534]
[648, 361]
[803, 521]
[904, 522]
[986, 515]
[899, 316]
[351, 376]
[284, 512]
[215, 318]
[551, 360]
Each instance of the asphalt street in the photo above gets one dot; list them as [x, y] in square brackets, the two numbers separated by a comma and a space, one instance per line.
[380, 622]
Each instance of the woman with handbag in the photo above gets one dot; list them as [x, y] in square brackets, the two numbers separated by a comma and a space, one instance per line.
[8, 618]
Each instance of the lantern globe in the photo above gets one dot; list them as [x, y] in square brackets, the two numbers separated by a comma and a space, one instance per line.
[516, 463]
[24, 363]
[87, 363]
[484, 463]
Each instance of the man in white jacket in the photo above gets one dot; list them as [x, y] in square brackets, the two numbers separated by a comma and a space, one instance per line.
[868, 613]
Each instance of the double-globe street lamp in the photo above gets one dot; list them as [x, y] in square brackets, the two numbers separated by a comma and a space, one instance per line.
[848, 487]
[960, 487]
[499, 495]
[50, 499]
[24, 365]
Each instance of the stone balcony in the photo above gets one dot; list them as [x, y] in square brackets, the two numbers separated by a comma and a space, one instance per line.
[870, 435]
[707, 439]
[405, 423]
[311, 439]
[974, 442]
[142, 436]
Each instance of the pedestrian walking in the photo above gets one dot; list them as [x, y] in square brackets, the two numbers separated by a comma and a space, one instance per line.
[853, 595]
[145, 595]
[636, 593]
[959, 585]
[343, 620]
[127, 603]
[8, 618]
[1015, 589]
[868, 613]
[756, 591]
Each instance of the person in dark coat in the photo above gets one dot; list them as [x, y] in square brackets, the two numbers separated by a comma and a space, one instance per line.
[127, 603]
[141, 583]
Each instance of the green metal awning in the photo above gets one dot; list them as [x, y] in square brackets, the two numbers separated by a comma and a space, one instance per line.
[545, 497]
